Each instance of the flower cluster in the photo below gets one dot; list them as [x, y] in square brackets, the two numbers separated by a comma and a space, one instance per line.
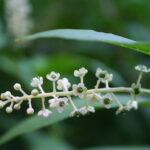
[63, 92]
[17, 16]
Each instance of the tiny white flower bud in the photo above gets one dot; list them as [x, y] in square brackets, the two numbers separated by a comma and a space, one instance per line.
[3, 96]
[34, 92]
[6, 95]
[9, 109]
[17, 87]
[30, 111]
[17, 106]
[17, 98]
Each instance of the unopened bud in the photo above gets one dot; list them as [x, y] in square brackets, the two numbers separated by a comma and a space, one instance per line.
[17, 106]
[34, 92]
[9, 109]
[17, 87]
[30, 111]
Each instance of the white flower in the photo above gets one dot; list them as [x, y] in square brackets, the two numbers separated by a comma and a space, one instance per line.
[108, 78]
[142, 68]
[106, 101]
[81, 72]
[79, 90]
[18, 19]
[44, 113]
[87, 109]
[63, 84]
[58, 103]
[136, 88]
[132, 104]
[103, 75]
[37, 81]
[53, 102]
[53, 76]
[99, 72]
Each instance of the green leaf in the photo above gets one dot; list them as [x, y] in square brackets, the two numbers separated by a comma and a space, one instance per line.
[90, 35]
[3, 38]
[41, 141]
[36, 122]
[46, 63]
[120, 148]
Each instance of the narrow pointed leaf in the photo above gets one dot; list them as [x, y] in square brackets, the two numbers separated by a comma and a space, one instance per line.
[36, 122]
[91, 35]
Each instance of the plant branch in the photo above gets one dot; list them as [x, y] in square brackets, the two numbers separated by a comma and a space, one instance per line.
[71, 93]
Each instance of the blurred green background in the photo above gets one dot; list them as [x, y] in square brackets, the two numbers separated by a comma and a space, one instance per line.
[19, 62]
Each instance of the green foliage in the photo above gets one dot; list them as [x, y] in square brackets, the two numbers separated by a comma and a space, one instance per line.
[120, 148]
[36, 122]
[20, 62]
[90, 35]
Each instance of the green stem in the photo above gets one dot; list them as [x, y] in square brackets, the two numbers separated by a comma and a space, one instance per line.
[72, 103]
[140, 77]
[97, 84]
[71, 93]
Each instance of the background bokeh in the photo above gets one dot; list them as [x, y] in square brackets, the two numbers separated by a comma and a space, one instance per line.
[19, 62]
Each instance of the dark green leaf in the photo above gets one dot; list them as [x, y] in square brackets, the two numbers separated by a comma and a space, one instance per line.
[120, 148]
[35, 122]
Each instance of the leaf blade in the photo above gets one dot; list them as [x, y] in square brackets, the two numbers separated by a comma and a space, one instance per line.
[36, 122]
[120, 148]
[91, 36]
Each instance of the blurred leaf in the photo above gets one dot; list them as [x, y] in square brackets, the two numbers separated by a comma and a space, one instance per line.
[19, 68]
[49, 63]
[117, 80]
[90, 35]
[3, 39]
[8, 65]
[120, 148]
[36, 122]
[40, 141]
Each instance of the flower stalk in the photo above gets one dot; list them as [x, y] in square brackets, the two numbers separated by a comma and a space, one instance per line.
[63, 92]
